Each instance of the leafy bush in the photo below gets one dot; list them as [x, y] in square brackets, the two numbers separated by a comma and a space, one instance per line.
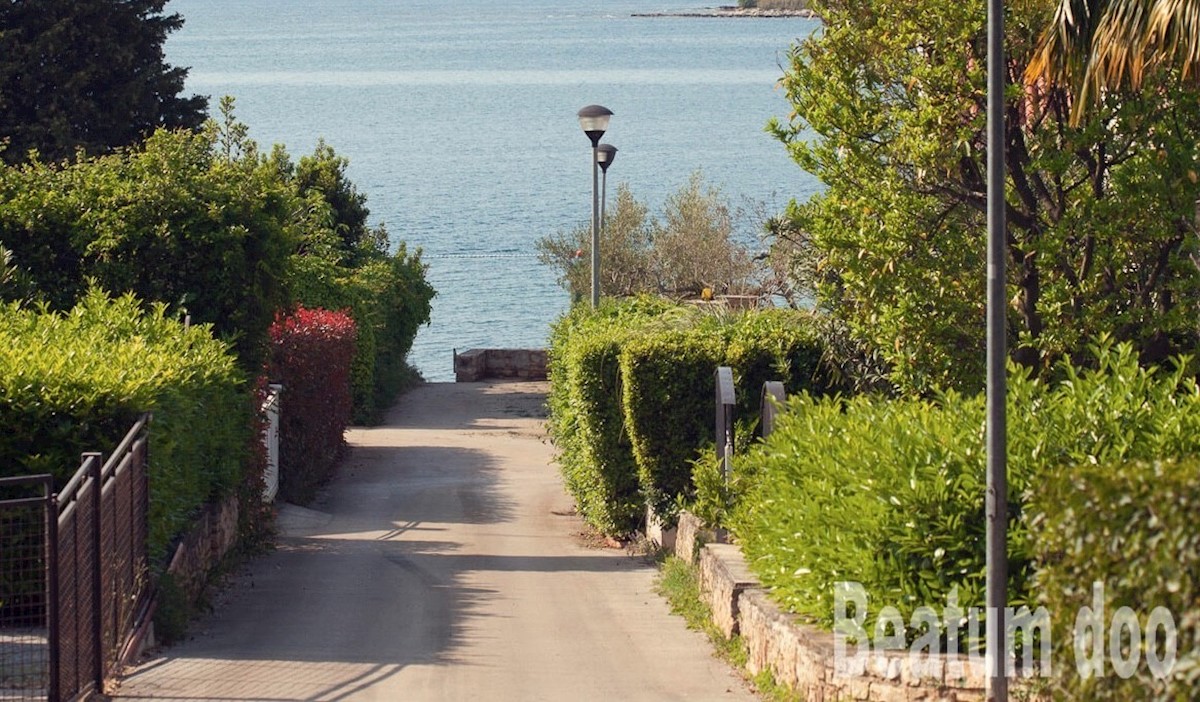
[693, 246]
[389, 299]
[889, 493]
[211, 226]
[1130, 526]
[77, 381]
[311, 354]
[172, 221]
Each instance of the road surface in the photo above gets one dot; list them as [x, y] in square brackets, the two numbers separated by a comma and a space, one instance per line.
[443, 563]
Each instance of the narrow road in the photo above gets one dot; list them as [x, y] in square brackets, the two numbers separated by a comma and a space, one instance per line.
[442, 564]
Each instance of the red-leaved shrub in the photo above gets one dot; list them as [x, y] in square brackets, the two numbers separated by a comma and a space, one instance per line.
[311, 353]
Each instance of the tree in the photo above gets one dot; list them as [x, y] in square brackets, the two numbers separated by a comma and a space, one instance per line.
[1097, 46]
[87, 74]
[890, 113]
[691, 248]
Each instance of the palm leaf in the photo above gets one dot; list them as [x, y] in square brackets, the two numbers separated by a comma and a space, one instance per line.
[1096, 46]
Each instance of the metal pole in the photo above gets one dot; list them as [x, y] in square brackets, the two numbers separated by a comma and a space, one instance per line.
[99, 651]
[595, 225]
[997, 387]
[603, 197]
[53, 595]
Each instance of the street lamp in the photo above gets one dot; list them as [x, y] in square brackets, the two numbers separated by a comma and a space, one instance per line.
[594, 121]
[605, 155]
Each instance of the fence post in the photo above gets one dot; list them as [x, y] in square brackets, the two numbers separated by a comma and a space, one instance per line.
[773, 396]
[95, 468]
[53, 625]
[724, 433]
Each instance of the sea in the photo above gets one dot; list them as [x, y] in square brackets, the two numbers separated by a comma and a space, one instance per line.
[458, 118]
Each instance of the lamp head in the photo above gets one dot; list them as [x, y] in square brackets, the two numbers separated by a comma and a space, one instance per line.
[594, 121]
[605, 155]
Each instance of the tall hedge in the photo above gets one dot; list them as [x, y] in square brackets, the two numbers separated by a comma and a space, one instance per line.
[389, 299]
[312, 353]
[632, 397]
[172, 221]
[586, 418]
[668, 396]
[76, 381]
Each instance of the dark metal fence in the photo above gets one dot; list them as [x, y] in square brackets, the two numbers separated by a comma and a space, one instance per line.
[80, 573]
[24, 637]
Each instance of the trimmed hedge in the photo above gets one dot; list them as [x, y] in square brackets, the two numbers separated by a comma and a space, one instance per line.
[172, 221]
[890, 493]
[1131, 527]
[632, 395]
[586, 419]
[75, 382]
[668, 394]
[312, 352]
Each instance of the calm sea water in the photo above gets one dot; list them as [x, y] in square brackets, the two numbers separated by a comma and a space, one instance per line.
[458, 117]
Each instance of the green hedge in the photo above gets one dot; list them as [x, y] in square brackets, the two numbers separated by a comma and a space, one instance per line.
[889, 493]
[668, 397]
[75, 382]
[1131, 527]
[586, 421]
[632, 397]
[172, 221]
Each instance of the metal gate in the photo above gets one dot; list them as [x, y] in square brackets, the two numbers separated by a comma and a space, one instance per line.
[73, 573]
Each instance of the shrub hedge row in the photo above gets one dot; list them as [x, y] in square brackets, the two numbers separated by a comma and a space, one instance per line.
[312, 353]
[632, 393]
[76, 381]
[1131, 528]
[889, 493]
[389, 299]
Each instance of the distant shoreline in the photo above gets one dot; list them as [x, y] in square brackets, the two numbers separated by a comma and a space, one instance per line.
[731, 11]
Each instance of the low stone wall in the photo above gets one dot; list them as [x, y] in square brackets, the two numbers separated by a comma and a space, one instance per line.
[474, 365]
[801, 656]
[690, 535]
[724, 576]
[205, 545]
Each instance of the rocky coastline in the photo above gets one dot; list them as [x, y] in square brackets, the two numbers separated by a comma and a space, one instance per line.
[731, 11]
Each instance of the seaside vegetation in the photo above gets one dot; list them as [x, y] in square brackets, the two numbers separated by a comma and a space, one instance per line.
[632, 387]
[786, 5]
[88, 75]
[692, 246]
[1101, 215]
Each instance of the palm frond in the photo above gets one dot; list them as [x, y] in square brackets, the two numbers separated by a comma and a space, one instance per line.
[1096, 46]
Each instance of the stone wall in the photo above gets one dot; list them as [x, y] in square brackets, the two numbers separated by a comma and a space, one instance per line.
[204, 546]
[474, 365]
[802, 657]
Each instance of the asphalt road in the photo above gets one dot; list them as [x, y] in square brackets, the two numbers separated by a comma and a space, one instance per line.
[442, 564]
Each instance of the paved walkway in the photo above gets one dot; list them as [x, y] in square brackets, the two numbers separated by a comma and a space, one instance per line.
[442, 564]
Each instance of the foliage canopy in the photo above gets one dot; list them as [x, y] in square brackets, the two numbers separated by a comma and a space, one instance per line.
[87, 74]
[889, 112]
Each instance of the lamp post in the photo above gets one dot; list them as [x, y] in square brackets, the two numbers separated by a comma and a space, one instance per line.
[605, 155]
[997, 384]
[594, 121]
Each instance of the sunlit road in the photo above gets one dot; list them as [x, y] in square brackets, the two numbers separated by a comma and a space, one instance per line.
[442, 564]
